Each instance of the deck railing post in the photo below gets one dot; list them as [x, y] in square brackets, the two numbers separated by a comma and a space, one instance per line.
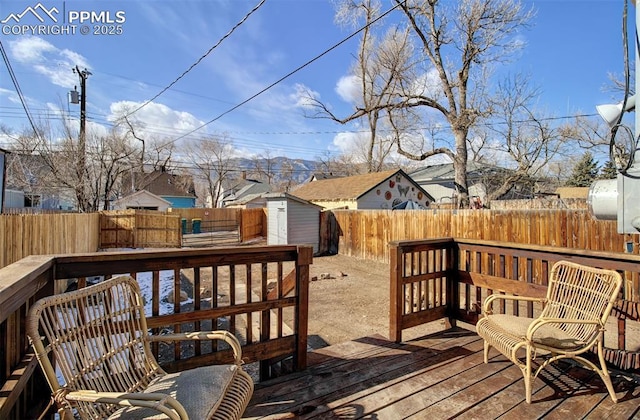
[304, 259]
[396, 297]
[453, 285]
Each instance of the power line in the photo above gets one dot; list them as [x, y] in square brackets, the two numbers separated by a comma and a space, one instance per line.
[290, 73]
[199, 59]
[163, 129]
[5, 57]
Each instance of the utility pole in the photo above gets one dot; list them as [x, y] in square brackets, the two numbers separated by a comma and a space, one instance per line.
[82, 144]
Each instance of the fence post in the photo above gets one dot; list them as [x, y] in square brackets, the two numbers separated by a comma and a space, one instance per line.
[303, 261]
[240, 222]
[396, 296]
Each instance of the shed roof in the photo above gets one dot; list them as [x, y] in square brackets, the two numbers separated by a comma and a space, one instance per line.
[287, 196]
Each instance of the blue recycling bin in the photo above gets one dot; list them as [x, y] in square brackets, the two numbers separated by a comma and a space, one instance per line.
[195, 225]
[184, 226]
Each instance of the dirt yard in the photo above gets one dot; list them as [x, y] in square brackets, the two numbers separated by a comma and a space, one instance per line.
[350, 300]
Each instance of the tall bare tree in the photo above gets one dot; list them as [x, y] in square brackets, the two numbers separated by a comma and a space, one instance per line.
[211, 158]
[448, 75]
[110, 157]
[264, 165]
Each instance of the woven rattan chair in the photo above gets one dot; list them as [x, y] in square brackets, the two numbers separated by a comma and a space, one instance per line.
[578, 303]
[98, 338]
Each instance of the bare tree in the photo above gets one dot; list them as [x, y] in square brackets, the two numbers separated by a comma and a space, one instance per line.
[48, 165]
[459, 43]
[211, 159]
[160, 154]
[517, 136]
[287, 176]
[110, 157]
[375, 70]
[264, 166]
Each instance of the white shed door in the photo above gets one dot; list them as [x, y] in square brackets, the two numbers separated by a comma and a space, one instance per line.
[281, 220]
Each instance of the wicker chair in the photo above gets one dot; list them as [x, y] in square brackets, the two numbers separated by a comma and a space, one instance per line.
[99, 340]
[578, 303]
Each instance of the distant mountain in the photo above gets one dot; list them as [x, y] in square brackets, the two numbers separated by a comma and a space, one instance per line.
[281, 169]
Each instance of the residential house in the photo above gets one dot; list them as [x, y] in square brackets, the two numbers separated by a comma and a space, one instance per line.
[246, 193]
[318, 176]
[142, 200]
[377, 190]
[29, 183]
[178, 190]
[439, 182]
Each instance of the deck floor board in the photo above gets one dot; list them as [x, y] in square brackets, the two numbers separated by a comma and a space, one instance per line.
[434, 377]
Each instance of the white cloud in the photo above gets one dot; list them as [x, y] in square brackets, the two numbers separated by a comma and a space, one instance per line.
[350, 143]
[45, 58]
[348, 87]
[158, 120]
[12, 96]
[302, 96]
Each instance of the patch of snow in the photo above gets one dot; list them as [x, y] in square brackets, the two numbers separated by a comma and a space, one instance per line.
[145, 281]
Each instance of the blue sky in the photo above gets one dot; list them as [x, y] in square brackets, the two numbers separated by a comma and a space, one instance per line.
[570, 51]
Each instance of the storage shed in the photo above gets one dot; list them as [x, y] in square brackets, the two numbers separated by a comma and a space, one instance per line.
[292, 220]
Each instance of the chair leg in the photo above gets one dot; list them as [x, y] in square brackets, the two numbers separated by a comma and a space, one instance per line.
[486, 351]
[526, 372]
[604, 374]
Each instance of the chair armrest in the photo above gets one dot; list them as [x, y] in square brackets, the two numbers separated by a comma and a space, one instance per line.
[225, 336]
[486, 307]
[163, 403]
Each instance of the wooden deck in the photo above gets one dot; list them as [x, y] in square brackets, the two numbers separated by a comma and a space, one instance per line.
[440, 376]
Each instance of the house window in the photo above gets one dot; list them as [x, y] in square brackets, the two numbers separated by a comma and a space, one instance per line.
[32, 200]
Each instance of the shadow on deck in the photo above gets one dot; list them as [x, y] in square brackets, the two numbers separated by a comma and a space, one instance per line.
[438, 376]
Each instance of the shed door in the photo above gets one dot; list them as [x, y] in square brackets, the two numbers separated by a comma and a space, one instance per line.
[281, 220]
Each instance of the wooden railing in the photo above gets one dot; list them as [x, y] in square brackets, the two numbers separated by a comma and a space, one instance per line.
[238, 289]
[450, 278]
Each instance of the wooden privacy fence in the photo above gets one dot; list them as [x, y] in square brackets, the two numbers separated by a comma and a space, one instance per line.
[22, 235]
[367, 233]
[139, 229]
[251, 223]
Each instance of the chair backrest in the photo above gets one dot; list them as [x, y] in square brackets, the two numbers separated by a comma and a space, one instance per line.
[98, 337]
[582, 293]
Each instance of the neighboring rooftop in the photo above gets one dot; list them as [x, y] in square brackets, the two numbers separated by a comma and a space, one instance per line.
[350, 187]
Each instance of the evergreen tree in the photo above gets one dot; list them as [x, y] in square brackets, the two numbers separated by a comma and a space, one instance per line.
[584, 172]
[608, 171]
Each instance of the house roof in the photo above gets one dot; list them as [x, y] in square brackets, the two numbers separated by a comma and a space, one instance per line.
[318, 176]
[245, 199]
[136, 195]
[347, 188]
[250, 188]
[446, 171]
[160, 183]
